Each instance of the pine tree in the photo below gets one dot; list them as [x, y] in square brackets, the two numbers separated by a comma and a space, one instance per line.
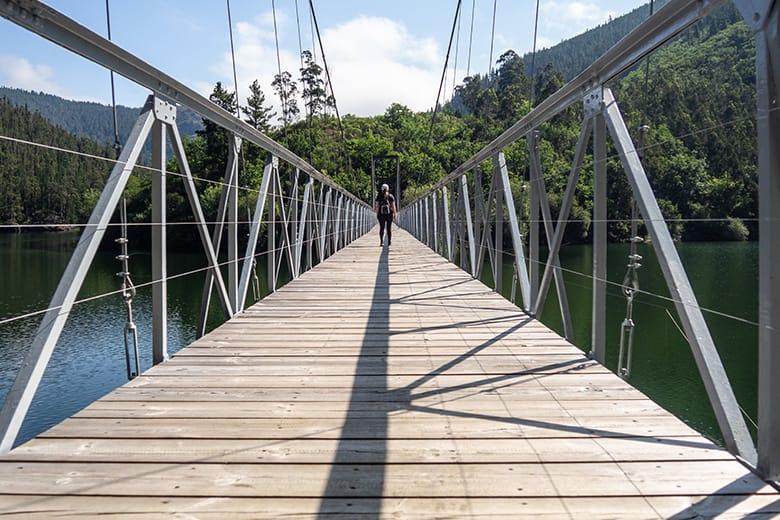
[287, 90]
[257, 114]
[314, 94]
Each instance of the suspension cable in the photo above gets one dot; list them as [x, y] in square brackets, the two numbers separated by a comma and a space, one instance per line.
[444, 71]
[455, 61]
[347, 158]
[471, 38]
[327, 70]
[492, 37]
[282, 92]
[533, 57]
[233, 59]
[300, 40]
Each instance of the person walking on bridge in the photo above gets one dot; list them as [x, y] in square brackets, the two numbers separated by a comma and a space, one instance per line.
[384, 206]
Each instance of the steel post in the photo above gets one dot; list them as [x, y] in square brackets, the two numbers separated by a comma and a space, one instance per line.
[599, 306]
[232, 224]
[534, 174]
[763, 17]
[464, 195]
[498, 244]
[514, 228]
[159, 246]
[266, 185]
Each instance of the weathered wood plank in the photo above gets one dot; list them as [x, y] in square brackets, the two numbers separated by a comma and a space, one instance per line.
[381, 384]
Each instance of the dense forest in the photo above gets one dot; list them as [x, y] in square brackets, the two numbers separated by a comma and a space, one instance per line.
[89, 119]
[698, 100]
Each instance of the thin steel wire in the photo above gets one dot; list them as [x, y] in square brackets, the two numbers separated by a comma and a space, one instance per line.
[177, 275]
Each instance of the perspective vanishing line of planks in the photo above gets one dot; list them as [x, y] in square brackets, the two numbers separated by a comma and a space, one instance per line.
[384, 383]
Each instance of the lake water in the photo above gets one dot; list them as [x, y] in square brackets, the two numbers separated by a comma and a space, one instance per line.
[89, 359]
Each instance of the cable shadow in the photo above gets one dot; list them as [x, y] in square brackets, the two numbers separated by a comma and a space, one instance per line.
[346, 478]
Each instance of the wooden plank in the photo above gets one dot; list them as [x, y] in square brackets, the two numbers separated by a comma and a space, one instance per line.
[389, 480]
[381, 384]
[367, 451]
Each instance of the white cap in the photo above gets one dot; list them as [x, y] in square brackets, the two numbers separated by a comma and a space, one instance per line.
[385, 187]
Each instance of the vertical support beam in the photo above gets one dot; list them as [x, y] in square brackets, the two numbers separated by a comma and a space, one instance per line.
[534, 174]
[271, 228]
[446, 214]
[266, 184]
[20, 396]
[598, 339]
[337, 222]
[232, 224]
[766, 24]
[498, 244]
[722, 399]
[434, 216]
[514, 228]
[426, 223]
[159, 247]
[464, 195]
[543, 207]
[323, 224]
[299, 233]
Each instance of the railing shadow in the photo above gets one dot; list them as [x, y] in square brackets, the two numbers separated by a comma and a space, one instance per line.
[347, 479]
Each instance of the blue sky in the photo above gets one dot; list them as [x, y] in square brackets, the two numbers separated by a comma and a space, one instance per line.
[379, 51]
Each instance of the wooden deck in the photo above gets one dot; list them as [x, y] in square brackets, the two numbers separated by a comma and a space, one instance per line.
[381, 384]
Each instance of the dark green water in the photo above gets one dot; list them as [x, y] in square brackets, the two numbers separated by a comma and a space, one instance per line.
[89, 361]
[724, 276]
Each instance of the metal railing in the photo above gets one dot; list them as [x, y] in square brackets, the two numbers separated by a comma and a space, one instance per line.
[457, 220]
[309, 229]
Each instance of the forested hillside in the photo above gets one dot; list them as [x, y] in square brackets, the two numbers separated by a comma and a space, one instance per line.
[87, 119]
[698, 100]
[44, 186]
[571, 56]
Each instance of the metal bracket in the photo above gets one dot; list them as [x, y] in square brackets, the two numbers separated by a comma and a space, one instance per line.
[164, 111]
[593, 102]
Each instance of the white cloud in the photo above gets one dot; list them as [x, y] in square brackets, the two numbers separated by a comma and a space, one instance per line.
[20, 73]
[374, 61]
[572, 16]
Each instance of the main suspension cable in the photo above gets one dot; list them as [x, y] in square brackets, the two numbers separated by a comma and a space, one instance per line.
[455, 61]
[533, 57]
[492, 37]
[471, 38]
[444, 71]
[282, 84]
[233, 59]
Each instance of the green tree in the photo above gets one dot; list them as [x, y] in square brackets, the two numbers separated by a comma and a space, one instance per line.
[315, 96]
[257, 113]
[287, 91]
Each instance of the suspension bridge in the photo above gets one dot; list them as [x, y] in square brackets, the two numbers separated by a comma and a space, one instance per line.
[390, 381]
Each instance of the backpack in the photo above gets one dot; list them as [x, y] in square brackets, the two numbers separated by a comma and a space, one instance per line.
[384, 206]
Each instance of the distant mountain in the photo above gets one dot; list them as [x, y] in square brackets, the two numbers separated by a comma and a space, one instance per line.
[88, 119]
[572, 56]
